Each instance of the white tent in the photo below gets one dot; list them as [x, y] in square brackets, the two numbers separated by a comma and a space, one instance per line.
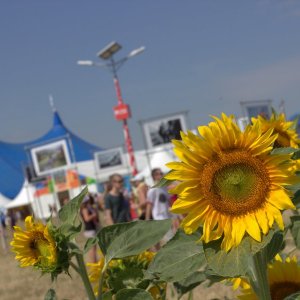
[3, 200]
[39, 205]
[25, 197]
[157, 158]
[146, 161]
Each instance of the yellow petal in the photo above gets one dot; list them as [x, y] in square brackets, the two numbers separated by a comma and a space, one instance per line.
[252, 227]
[281, 200]
[262, 220]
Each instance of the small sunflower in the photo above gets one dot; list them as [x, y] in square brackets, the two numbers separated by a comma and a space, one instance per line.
[230, 183]
[34, 246]
[116, 267]
[286, 130]
[95, 270]
[284, 279]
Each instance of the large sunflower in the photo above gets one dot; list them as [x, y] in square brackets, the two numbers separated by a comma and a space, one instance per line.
[229, 181]
[286, 130]
[284, 280]
[34, 246]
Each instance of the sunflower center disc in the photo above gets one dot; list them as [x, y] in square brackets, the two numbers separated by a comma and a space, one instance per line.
[281, 290]
[235, 183]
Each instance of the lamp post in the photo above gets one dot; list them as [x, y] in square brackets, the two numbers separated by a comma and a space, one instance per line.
[121, 110]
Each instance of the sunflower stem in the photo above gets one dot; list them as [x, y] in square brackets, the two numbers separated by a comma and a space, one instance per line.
[81, 269]
[101, 281]
[259, 277]
[190, 296]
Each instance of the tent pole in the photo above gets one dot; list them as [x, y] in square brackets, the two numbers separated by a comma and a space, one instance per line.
[71, 192]
[3, 241]
[145, 145]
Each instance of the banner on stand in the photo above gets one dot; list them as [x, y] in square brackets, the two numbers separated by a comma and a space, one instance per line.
[160, 131]
[50, 157]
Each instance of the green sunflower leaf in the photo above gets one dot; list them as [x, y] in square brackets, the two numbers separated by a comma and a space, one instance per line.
[107, 234]
[127, 239]
[189, 283]
[133, 294]
[274, 246]
[69, 230]
[89, 244]
[180, 257]
[128, 278]
[69, 212]
[295, 230]
[235, 263]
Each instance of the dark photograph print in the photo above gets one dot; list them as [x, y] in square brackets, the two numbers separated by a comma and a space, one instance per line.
[50, 157]
[109, 158]
[163, 131]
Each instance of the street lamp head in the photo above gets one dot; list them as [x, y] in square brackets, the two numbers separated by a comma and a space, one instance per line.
[85, 63]
[109, 50]
[136, 51]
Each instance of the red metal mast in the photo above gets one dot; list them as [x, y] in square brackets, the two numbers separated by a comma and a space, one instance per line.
[122, 110]
[122, 113]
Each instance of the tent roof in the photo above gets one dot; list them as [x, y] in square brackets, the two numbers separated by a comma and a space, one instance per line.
[14, 157]
[3, 201]
[23, 198]
[157, 159]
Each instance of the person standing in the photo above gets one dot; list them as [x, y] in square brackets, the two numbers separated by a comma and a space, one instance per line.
[91, 223]
[139, 191]
[158, 199]
[158, 204]
[116, 206]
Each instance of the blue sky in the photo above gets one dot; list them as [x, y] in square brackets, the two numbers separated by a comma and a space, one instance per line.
[201, 56]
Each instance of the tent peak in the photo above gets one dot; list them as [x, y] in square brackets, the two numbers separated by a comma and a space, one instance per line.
[56, 119]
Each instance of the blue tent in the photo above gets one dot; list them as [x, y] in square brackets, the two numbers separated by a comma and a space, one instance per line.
[15, 157]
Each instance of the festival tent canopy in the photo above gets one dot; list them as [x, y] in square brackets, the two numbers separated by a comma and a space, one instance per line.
[23, 198]
[39, 206]
[3, 201]
[15, 157]
[157, 159]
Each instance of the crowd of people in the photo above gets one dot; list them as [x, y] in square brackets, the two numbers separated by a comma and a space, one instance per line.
[117, 205]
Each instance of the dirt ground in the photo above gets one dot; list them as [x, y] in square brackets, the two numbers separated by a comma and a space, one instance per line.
[27, 284]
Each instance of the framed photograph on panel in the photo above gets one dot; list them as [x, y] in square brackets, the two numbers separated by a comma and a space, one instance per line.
[109, 159]
[50, 157]
[161, 131]
[256, 108]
